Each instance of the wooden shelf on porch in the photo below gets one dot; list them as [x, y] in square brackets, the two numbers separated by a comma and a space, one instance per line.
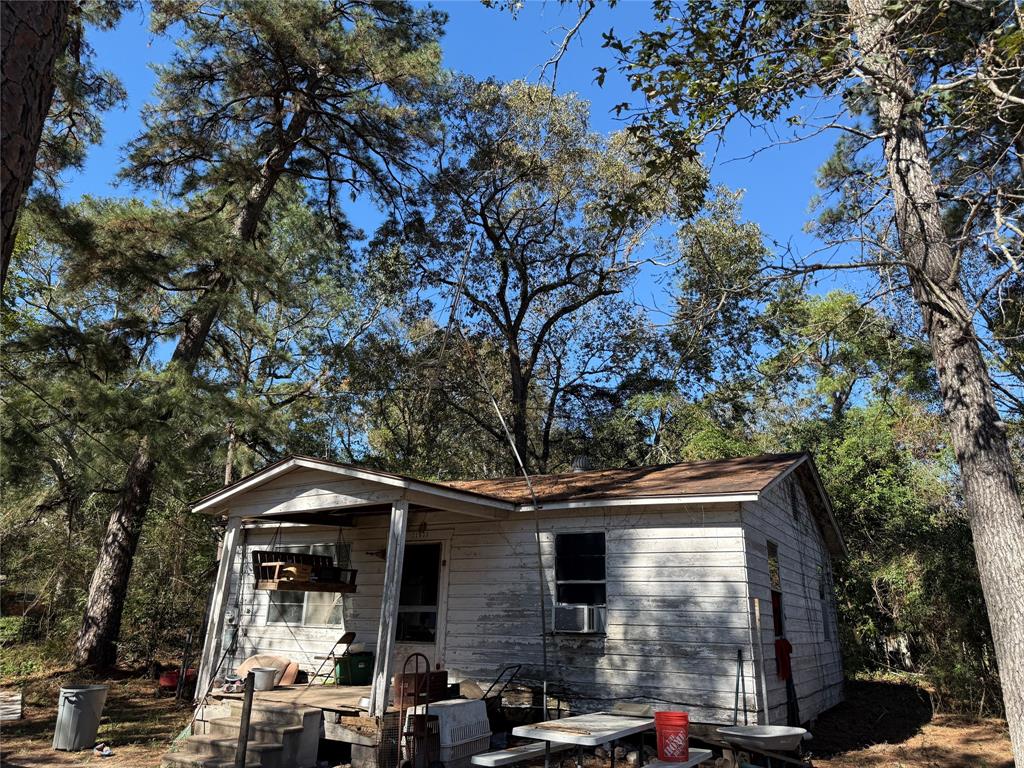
[305, 586]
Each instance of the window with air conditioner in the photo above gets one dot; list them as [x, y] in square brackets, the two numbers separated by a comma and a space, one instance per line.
[580, 583]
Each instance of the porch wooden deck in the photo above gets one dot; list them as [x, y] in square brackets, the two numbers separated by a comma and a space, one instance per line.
[345, 718]
[333, 698]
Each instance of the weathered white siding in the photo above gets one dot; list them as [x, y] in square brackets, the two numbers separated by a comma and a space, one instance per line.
[803, 562]
[677, 603]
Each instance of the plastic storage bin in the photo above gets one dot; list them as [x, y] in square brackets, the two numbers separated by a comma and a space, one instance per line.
[354, 668]
[79, 710]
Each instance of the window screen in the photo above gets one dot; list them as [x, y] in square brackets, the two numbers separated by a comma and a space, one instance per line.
[580, 568]
[825, 594]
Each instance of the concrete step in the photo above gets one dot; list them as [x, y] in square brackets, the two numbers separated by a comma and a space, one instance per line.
[263, 732]
[190, 760]
[267, 752]
[268, 712]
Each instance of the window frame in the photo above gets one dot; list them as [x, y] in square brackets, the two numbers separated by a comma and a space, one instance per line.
[826, 593]
[603, 582]
[775, 589]
[411, 608]
[342, 554]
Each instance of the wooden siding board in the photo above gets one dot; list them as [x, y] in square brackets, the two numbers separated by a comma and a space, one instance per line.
[816, 662]
[677, 591]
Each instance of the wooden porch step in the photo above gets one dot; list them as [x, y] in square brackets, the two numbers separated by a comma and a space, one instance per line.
[191, 760]
[265, 732]
[518, 754]
[225, 746]
[264, 711]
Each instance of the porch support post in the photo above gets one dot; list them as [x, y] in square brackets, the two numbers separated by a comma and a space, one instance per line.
[382, 662]
[215, 621]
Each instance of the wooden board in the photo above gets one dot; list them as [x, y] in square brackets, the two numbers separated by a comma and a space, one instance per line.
[10, 705]
[586, 730]
[305, 586]
[334, 698]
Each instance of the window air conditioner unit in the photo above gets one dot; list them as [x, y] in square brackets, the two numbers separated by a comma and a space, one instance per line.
[578, 619]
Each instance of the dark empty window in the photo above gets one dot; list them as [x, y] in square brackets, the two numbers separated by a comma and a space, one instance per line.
[825, 594]
[579, 568]
[417, 602]
[775, 580]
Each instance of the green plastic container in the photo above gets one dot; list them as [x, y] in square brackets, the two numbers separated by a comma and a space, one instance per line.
[354, 668]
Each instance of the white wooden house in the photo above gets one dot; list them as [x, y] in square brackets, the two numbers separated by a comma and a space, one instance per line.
[639, 584]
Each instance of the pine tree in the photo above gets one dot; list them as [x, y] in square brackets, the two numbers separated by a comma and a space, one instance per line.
[261, 91]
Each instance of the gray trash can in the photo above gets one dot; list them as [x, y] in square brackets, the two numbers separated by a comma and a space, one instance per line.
[78, 716]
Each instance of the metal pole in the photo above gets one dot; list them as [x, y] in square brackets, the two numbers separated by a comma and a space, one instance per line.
[759, 648]
[243, 727]
[179, 689]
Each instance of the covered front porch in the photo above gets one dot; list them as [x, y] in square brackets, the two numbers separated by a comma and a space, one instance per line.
[349, 520]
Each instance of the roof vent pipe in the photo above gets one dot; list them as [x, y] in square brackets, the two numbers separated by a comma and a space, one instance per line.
[582, 463]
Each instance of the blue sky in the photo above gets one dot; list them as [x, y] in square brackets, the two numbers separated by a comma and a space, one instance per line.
[483, 42]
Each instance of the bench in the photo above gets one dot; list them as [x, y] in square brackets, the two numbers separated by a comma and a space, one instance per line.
[697, 757]
[516, 754]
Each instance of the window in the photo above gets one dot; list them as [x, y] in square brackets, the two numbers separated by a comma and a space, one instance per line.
[309, 608]
[417, 602]
[825, 595]
[794, 500]
[580, 568]
[775, 581]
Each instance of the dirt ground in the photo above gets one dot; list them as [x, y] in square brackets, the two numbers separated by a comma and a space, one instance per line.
[879, 724]
[138, 723]
[892, 724]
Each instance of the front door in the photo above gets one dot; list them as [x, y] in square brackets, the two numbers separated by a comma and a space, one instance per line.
[420, 627]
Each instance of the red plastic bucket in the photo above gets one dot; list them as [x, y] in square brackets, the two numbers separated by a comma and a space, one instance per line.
[673, 736]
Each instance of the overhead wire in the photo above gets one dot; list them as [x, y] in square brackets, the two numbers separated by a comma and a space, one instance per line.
[454, 321]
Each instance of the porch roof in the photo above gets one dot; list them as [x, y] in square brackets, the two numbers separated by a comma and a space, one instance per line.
[391, 487]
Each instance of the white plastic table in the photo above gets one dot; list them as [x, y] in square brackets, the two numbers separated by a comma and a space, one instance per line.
[586, 731]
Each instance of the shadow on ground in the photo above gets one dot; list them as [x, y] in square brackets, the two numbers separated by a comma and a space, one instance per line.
[872, 713]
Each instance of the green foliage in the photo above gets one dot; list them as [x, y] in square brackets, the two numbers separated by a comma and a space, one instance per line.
[547, 218]
[19, 661]
[909, 595]
[81, 91]
[335, 87]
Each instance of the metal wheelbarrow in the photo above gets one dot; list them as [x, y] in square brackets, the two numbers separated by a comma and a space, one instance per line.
[768, 741]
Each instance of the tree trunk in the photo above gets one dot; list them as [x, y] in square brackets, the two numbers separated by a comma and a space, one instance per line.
[97, 640]
[978, 435]
[32, 34]
[519, 393]
[229, 460]
[101, 627]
